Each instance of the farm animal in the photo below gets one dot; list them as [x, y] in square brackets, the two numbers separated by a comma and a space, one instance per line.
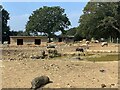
[39, 82]
[96, 41]
[43, 53]
[52, 51]
[51, 46]
[80, 49]
[5, 42]
[85, 46]
[87, 42]
[104, 44]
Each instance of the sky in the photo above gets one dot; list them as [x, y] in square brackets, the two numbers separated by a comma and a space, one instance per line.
[20, 12]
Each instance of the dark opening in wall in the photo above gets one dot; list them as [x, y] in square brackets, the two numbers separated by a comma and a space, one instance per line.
[19, 41]
[37, 41]
[60, 40]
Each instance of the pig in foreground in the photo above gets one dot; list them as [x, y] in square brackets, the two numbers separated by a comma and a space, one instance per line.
[39, 82]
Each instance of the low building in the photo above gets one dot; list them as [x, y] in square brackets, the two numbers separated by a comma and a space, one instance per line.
[28, 40]
[66, 38]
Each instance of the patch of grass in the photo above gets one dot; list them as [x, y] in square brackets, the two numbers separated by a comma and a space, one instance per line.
[89, 54]
[104, 58]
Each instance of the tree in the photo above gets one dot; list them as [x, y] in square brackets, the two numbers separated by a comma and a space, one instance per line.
[112, 17]
[100, 20]
[47, 20]
[71, 31]
[5, 27]
[18, 33]
[0, 24]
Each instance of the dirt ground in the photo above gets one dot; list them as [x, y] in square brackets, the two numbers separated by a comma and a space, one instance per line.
[18, 69]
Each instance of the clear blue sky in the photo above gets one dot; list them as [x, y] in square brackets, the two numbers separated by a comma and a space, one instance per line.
[20, 11]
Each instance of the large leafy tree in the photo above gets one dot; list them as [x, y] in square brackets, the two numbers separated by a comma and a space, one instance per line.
[0, 24]
[4, 26]
[100, 20]
[71, 31]
[18, 33]
[47, 20]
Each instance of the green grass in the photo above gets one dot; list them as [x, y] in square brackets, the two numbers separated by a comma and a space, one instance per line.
[103, 58]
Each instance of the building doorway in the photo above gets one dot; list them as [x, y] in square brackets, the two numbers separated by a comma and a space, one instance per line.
[37, 41]
[19, 41]
[60, 39]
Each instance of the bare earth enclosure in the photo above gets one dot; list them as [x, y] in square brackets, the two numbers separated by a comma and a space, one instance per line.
[66, 71]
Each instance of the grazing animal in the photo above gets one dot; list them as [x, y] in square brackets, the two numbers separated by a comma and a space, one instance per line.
[104, 44]
[87, 42]
[85, 46]
[52, 51]
[80, 49]
[5, 42]
[51, 46]
[43, 53]
[39, 82]
[96, 41]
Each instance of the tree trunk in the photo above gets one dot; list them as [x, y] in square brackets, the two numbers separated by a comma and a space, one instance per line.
[116, 28]
[49, 39]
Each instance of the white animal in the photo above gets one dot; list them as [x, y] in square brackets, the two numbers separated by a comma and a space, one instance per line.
[5, 42]
[96, 41]
[104, 44]
[85, 46]
[87, 42]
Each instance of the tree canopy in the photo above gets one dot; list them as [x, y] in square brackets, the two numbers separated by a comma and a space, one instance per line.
[5, 28]
[0, 24]
[47, 20]
[71, 31]
[18, 33]
[100, 20]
